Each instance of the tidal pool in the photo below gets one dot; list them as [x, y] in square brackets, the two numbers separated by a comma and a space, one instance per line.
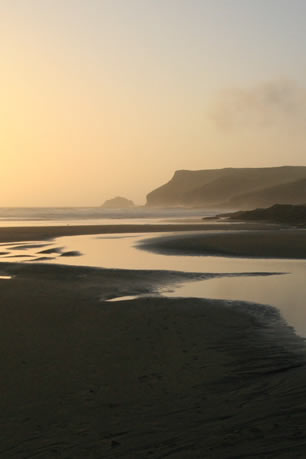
[287, 292]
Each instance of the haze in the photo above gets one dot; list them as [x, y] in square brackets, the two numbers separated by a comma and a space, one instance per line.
[104, 98]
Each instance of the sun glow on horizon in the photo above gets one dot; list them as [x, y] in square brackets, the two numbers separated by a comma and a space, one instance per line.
[101, 99]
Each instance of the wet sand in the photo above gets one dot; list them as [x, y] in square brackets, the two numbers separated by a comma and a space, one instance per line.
[153, 377]
[38, 233]
[280, 243]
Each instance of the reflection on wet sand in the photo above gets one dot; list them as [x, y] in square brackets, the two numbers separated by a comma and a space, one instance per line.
[286, 292]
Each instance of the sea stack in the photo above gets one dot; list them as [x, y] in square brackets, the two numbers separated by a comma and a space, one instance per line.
[117, 203]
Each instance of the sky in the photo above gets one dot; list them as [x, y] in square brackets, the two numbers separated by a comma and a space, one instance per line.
[100, 98]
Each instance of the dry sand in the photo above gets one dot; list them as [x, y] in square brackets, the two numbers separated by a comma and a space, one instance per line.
[280, 243]
[154, 377]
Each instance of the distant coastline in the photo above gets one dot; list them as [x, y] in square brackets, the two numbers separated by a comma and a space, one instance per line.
[233, 188]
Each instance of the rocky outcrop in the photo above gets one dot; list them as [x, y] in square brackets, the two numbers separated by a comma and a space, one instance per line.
[279, 213]
[117, 203]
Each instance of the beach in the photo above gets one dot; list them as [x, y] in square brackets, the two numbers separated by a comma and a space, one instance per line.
[153, 229]
[37, 233]
[152, 377]
[278, 242]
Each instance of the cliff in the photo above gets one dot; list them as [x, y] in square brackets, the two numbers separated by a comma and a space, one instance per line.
[240, 188]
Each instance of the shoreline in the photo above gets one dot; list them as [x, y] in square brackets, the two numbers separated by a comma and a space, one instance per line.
[277, 244]
[150, 377]
[36, 233]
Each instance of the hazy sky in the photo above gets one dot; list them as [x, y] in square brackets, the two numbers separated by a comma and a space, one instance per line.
[109, 97]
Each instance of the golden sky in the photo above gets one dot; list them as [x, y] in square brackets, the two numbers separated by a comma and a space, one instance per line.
[104, 98]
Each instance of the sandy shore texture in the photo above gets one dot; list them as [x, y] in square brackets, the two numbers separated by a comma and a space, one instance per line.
[154, 377]
[38, 233]
[280, 243]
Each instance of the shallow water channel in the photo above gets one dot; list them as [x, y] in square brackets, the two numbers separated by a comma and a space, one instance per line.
[287, 292]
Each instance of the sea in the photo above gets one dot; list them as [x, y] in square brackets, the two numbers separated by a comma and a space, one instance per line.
[44, 216]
